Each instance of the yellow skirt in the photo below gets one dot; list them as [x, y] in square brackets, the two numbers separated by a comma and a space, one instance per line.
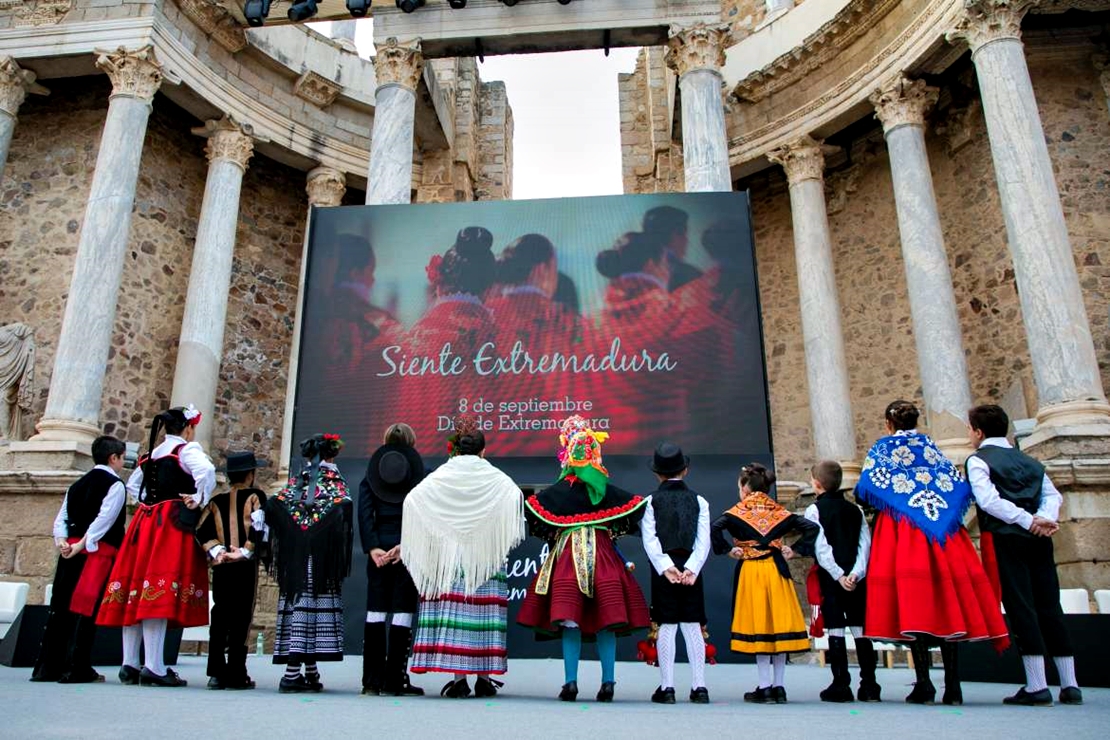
[767, 617]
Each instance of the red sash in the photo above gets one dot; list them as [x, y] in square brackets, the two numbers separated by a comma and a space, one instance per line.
[813, 595]
[94, 576]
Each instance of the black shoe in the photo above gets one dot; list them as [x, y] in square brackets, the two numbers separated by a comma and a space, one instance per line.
[313, 683]
[456, 689]
[403, 687]
[605, 693]
[215, 684]
[569, 691]
[953, 696]
[869, 691]
[86, 676]
[778, 694]
[486, 687]
[371, 691]
[45, 677]
[296, 685]
[922, 694]
[171, 680]
[1023, 698]
[699, 695]
[1071, 695]
[243, 684]
[129, 676]
[837, 693]
[663, 696]
[759, 696]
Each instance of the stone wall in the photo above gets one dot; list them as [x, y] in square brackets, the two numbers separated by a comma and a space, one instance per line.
[651, 158]
[494, 177]
[33, 13]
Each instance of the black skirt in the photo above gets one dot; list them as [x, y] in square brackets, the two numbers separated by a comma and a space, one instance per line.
[673, 603]
[390, 589]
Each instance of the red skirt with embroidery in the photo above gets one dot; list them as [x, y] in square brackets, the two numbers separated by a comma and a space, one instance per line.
[160, 572]
[617, 603]
[915, 586]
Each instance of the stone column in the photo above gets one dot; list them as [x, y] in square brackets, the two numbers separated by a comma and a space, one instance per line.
[397, 67]
[696, 55]
[834, 435]
[325, 188]
[15, 83]
[901, 105]
[1065, 368]
[200, 349]
[77, 383]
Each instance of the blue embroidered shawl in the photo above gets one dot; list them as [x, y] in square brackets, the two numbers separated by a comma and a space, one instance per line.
[906, 476]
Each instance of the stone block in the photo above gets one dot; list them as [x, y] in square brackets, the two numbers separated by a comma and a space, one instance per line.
[1082, 540]
[26, 515]
[35, 556]
[1091, 576]
[7, 554]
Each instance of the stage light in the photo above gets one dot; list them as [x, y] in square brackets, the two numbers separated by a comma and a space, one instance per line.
[408, 6]
[457, 4]
[256, 12]
[302, 10]
[358, 8]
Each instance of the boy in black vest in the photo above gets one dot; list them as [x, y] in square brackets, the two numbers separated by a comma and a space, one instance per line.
[842, 550]
[87, 531]
[675, 530]
[1018, 507]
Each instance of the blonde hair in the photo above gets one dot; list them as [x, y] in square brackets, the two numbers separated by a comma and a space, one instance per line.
[400, 434]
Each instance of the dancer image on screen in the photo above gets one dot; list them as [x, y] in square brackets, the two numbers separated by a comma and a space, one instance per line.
[925, 583]
[676, 532]
[767, 618]
[584, 589]
[391, 596]
[1018, 507]
[311, 521]
[842, 549]
[88, 531]
[232, 530]
[668, 226]
[457, 529]
[160, 577]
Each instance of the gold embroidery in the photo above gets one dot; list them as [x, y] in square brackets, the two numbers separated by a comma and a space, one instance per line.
[583, 543]
[753, 550]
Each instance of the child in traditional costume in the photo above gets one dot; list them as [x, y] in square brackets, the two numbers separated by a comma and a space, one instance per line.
[312, 523]
[457, 529]
[767, 617]
[88, 532]
[232, 530]
[676, 532]
[584, 589]
[1018, 508]
[160, 577]
[925, 583]
[842, 549]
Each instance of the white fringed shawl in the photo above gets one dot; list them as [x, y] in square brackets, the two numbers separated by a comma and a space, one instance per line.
[460, 521]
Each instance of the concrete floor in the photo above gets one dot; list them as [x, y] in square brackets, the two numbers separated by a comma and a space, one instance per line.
[526, 709]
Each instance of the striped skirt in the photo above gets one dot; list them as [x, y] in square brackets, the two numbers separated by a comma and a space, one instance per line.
[456, 633]
[309, 626]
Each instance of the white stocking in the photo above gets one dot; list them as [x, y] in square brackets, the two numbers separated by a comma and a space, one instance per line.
[132, 641]
[404, 619]
[375, 617]
[695, 651]
[665, 644]
[780, 668]
[763, 665]
[154, 641]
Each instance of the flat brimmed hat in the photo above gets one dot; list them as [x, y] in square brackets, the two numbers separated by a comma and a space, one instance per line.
[669, 460]
[393, 471]
[241, 462]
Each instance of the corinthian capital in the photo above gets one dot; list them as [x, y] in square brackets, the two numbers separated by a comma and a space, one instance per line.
[15, 83]
[984, 21]
[228, 140]
[903, 101]
[134, 74]
[697, 47]
[802, 159]
[399, 64]
[325, 187]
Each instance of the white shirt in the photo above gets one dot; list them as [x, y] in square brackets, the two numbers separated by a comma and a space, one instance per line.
[660, 560]
[109, 510]
[824, 550]
[989, 500]
[193, 461]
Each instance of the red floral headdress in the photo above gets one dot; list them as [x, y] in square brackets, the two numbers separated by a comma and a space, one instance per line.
[580, 456]
[464, 424]
[432, 269]
[192, 415]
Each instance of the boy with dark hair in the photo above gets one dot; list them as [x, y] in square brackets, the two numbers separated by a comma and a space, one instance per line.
[1018, 507]
[842, 549]
[88, 531]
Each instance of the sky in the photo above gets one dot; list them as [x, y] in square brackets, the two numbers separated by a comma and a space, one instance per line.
[566, 139]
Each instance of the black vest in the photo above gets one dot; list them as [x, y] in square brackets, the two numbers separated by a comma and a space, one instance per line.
[1019, 480]
[676, 516]
[83, 502]
[841, 520]
[165, 480]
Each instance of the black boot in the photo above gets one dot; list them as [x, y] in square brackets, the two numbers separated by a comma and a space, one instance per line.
[373, 658]
[953, 694]
[923, 690]
[840, 690]
[396, 663]
[869, 689]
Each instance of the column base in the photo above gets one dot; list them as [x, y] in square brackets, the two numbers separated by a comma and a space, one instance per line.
[281, 480]
[852, 471]
[1084, 537]
[50, 455]
[956, 449]
[1071, 430]
[65, 430]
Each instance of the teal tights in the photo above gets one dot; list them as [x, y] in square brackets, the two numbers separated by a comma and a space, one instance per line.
[606, 652]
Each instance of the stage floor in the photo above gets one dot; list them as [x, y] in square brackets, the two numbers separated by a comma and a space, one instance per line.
[525, 710]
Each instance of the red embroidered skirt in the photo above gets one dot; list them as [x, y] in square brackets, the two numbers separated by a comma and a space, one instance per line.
[160, 573]
[915, 586]
[617, 604]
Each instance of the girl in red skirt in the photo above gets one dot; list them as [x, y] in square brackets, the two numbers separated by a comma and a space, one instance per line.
[925, 583]
[584, 588]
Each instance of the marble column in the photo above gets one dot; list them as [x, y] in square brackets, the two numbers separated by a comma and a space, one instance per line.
[830, 403]
[15, 83]
[325, 187]
[901, 105]
[1065, 367]
[397, 68]
[696, 55]
[200, 349]
[77, 383]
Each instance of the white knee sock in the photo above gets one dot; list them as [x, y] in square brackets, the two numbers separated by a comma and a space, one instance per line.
[695, 651]
[780, 668]
[1034, 673]
[835, 631]
[763, 665]
[132, 641]
[665, 644]
[1065, 666]
[375, 617]
[857, 632]
[403, 619]
[154, 641]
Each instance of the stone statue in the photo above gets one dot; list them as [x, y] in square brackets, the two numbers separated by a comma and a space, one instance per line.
[17, 377]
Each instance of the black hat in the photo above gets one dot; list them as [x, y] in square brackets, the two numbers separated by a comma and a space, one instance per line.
[241, 462]
[393, 471]
[669, 460]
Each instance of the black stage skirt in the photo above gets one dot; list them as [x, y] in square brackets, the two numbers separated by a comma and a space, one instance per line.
[673, 603]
